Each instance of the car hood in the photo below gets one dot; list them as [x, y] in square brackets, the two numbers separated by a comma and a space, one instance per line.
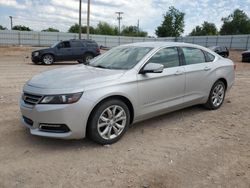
[75, 77]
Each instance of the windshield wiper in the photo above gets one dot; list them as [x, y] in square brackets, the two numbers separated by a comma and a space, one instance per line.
[100, 66]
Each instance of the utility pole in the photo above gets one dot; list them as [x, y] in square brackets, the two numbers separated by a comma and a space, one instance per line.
[80, 19]
[11, 23]
[88, 19]
[119, 21]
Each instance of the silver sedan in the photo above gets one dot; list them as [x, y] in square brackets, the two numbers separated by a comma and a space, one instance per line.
[127, 84]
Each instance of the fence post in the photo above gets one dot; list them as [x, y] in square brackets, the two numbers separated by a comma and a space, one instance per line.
[247, 41]
[19, 38]
[119, 41]
[193, 40]
[105, 41]
[57, 36]
[217, 40]
[231, 42]
[39, 42]
[206, 41]
[132, 39]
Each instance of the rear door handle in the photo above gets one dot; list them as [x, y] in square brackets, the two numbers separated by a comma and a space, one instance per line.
[207, 68]
[178, 72]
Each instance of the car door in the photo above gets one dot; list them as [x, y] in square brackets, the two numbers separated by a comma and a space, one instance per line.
[199, 74]
[64, 51]
[77, 49]
[159, 91]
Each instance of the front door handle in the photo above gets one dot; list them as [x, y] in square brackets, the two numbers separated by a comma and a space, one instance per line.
[207, 68]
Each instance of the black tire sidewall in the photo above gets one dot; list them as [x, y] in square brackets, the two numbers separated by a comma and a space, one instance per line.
[209, 103]
[92, 131]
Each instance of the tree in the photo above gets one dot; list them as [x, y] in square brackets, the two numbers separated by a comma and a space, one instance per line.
[172, 25]
[2, 28]
[21, 28]
[133, 31]
[236, 23]
[103, 28]
[205, 29]
[50, 29]
[75, 29]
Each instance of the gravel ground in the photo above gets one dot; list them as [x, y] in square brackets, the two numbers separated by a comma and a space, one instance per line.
[189, 148]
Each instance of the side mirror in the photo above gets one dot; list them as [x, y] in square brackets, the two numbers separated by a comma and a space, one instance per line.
[152, 68]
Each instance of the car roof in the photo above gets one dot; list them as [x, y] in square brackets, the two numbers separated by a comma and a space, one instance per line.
[161, 44]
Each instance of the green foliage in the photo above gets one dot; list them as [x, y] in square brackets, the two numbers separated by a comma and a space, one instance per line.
[2, 28]
[205, 29]
[75, 29]
[104, 28]
[172, 25]
[236, 23]
[50, 29]
[21, 28]
[133, 32]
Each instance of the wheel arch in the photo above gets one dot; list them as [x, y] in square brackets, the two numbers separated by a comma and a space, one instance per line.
[119, 97]
[224, 81]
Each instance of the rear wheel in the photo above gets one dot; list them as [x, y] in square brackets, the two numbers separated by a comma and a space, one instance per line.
[108, 122]
[48, 59]
[216, 96]
[87, 57]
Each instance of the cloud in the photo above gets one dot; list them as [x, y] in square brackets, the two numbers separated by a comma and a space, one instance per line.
[61, 14]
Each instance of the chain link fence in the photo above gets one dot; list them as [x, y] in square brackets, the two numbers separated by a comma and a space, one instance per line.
[32, 38]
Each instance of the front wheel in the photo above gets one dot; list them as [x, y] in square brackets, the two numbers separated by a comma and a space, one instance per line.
[48, 59]
[216, 96]
[108, 122]
[87, 57]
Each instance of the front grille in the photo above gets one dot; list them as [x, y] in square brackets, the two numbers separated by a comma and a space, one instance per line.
[28, 121]
[31, 98]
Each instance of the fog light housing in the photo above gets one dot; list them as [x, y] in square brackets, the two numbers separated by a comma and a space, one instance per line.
[53, 128]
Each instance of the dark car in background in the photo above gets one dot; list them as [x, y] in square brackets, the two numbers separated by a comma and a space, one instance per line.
[246, 56]
[80, 50]
[221, 50]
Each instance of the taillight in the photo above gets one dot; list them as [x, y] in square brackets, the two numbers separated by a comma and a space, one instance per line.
[234, 66]
[98, 50]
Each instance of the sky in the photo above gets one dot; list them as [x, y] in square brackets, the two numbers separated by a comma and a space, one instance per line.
[61, 14]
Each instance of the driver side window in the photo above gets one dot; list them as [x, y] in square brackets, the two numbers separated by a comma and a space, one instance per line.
[64, 44]
[168, 57]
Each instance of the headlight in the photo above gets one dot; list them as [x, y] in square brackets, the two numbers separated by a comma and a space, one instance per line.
[61, 99]
[36, 53]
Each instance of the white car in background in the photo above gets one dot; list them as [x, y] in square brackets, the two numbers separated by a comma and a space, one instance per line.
[127, 84]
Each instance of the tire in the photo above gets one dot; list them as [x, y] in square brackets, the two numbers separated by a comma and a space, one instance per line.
[87, 57]
[216, 96]
[108, 122]
[48, 59]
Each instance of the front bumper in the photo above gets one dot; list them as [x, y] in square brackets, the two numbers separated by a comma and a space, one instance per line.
[35, 59]
[74, 116]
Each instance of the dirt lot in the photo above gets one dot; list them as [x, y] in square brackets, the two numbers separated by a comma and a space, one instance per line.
[188, 148]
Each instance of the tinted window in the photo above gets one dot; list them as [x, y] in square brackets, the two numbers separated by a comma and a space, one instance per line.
[193, 56]
[168, 57]
[76, 44]
[64, 44]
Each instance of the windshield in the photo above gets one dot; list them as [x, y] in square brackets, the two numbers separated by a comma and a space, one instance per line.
[121, 57]
[54, 45]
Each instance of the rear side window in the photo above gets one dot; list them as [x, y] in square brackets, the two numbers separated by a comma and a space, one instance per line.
[168, 57]
[76, 44]
[193, 55]
[209, 57]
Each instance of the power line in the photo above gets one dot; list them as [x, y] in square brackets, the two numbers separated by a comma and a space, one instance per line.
[119, 21]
